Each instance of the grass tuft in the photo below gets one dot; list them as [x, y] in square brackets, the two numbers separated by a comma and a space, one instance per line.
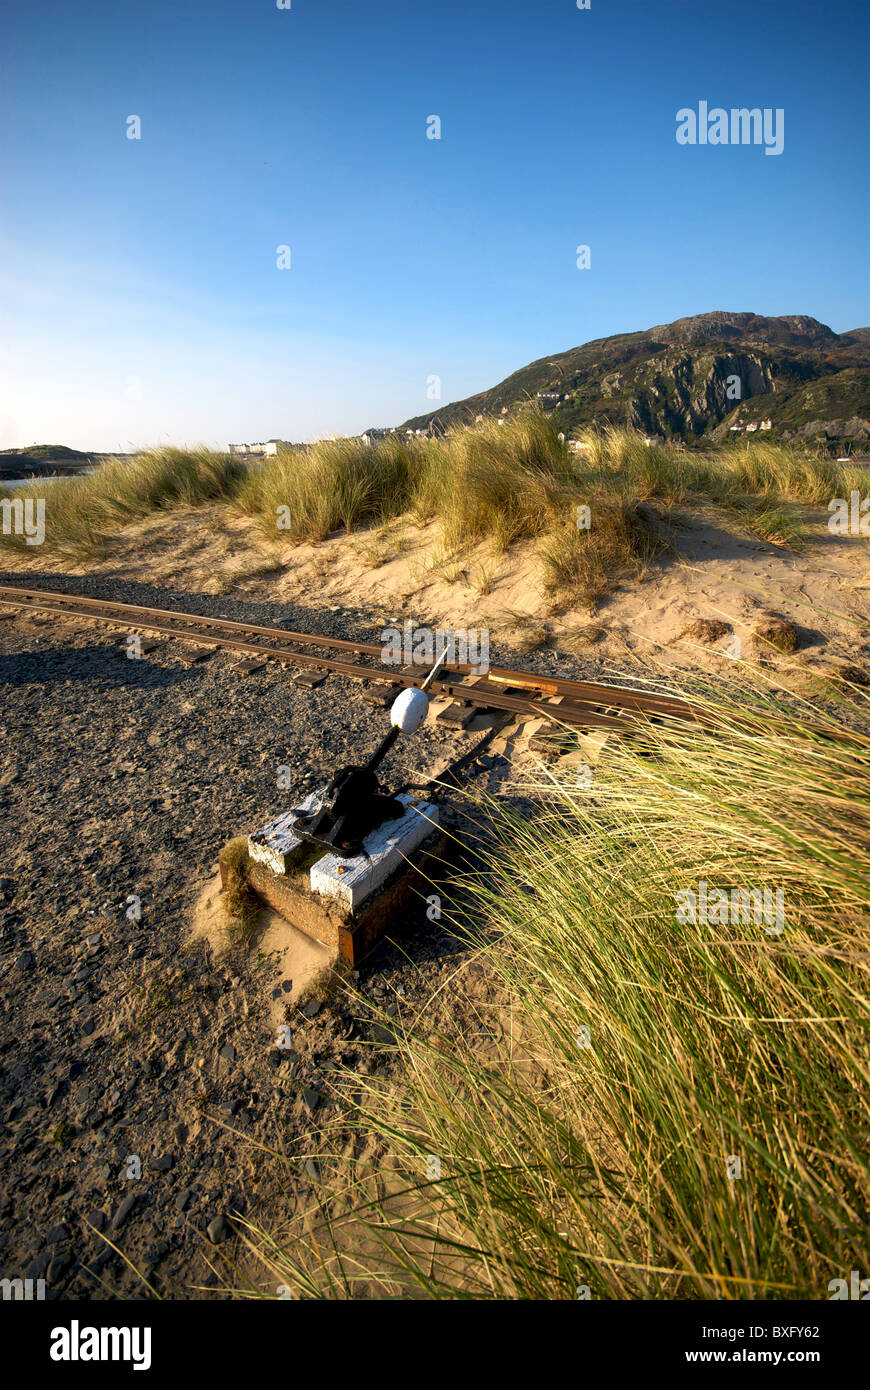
[241, 904]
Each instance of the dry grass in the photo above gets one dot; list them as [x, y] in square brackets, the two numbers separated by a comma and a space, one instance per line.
[669, 1108]
[241, 904]
[495, 483]
[82, 513]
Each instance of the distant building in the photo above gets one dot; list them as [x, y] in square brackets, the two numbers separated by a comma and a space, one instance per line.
[434, 430]
[766, 425]
[269, 447]
[753, 425]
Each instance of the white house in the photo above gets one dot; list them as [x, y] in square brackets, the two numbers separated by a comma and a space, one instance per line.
[269, 448]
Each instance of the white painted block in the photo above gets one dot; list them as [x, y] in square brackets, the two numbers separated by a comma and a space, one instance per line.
[352, 881]
[276, 841]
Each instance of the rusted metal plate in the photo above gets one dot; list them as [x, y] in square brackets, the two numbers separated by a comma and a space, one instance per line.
[517, 681]
[552, 742]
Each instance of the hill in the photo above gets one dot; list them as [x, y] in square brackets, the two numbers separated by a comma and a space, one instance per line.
[677, 381]
[43, 452]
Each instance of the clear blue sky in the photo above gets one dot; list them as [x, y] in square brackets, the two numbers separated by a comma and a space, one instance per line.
[141, 301]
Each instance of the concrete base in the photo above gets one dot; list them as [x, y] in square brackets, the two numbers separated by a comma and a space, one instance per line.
[353, 934]
[275, 845]
[348, 904]
[352, 881]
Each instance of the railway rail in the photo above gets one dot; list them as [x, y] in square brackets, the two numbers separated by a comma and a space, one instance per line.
[582, 704]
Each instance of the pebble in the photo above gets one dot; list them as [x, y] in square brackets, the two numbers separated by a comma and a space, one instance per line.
[37, 1268]
[60, 1263]
[123, 1211]
[217, 1230]
[154, 1254]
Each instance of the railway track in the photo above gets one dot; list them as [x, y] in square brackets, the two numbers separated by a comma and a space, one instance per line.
[582, 704]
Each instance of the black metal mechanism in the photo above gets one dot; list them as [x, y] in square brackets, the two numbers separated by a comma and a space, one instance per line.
[353, 804]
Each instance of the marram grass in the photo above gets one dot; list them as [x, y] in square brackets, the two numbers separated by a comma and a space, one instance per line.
[499, 483]
[645, 1107]
[82, 513]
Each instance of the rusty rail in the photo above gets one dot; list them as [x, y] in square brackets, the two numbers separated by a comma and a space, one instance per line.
[578, 703]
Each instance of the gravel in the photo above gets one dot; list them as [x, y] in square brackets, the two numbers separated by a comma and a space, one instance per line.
[121, 780]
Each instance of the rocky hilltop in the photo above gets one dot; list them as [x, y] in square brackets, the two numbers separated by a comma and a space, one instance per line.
[680, 381]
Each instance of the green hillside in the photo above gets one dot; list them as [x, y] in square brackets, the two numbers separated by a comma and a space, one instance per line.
[676, 381]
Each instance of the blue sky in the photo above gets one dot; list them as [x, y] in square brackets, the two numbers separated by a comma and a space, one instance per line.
[140, 297]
